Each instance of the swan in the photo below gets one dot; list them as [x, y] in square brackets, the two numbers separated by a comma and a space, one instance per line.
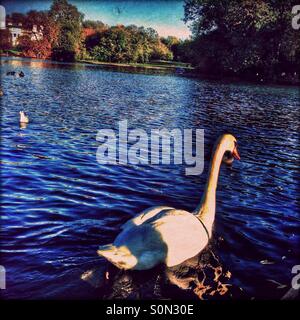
[23, 117]
[166, 235]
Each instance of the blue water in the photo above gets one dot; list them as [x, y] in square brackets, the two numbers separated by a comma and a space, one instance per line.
[58, 204]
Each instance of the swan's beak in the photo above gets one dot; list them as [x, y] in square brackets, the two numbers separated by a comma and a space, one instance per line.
[235, 154]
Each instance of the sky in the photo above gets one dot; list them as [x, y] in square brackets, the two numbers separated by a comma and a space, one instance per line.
[165, 16]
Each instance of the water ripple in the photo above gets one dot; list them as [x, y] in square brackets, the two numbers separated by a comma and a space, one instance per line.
[58, 204]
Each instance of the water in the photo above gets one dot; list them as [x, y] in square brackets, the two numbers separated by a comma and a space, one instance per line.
[59, 204]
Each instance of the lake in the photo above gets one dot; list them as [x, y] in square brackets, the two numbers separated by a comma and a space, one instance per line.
[59, 204]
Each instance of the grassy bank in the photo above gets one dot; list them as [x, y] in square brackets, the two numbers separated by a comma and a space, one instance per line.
[155, 65]
[11, 53]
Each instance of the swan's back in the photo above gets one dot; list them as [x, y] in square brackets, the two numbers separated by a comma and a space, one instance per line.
[162, 234]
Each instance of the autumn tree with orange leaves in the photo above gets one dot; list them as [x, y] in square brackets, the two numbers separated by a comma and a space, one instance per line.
[39, 48]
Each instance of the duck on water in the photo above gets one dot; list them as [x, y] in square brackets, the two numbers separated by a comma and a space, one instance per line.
[16, 74]
[167, 235]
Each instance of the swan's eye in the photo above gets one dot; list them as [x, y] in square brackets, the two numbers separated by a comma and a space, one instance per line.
[227, 154]
[228, 158]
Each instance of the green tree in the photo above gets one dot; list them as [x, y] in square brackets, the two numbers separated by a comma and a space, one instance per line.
[70, 39]
[172, 43]
[185, 51]
[127, 44]
[96, 25]
[246, 37]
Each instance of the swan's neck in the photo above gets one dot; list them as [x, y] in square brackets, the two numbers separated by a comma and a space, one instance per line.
[207, 208]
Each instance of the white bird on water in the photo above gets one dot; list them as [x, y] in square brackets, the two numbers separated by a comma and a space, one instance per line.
[168, 235]
[23, 117]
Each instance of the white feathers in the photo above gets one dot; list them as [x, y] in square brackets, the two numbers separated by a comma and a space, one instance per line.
[23, 117]
[166, 235]
[160, 235]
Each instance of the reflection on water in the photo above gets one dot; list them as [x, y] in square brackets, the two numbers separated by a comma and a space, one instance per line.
[201, 277]
[58, 204]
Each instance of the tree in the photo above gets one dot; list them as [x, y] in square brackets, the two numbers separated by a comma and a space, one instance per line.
[5, 39]
[127, 44]
[96, 25]
[70, 37]
[16, 18]
[38, 18]
[172, 43]
[243, 37]
[161, 52]
[185, 51]
[39, 48]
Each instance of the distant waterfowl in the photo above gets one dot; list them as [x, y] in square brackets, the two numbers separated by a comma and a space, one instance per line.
[14, 73]
[1, 92]
[168, 235]
[23, 117]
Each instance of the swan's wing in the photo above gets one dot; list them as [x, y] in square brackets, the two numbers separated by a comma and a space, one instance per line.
[169, 236]
[143, 245]
[182, 233]
[144, 216]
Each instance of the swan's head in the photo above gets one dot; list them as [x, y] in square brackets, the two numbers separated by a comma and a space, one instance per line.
[229, 143]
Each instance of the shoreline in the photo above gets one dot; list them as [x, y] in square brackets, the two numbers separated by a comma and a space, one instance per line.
[177, 68]
[154, 65]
